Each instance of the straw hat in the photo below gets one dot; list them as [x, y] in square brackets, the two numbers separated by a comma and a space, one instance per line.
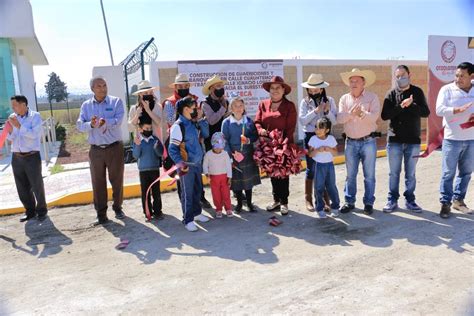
[368, 75]
[315, 81]
[180, 79]
[144, 86]
[210, 82]
[279, 80]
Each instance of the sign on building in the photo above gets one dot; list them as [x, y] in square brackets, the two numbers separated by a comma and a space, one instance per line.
[245, 77]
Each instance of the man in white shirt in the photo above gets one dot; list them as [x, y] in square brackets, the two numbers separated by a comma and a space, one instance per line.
[25, 136]
[455, 104]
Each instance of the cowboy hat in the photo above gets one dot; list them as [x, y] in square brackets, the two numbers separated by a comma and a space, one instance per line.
[315, 81]
[210, 82]
[368, 75]
[180, 79]
[144, 86]
[279, 80]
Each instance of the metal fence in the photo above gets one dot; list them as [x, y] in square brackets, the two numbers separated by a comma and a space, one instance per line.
[48, 138]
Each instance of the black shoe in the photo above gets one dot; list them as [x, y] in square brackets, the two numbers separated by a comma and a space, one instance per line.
[346, 208]
[252, 208]
[41, 218]
[27, 217]
[368, 209]
[238, 208]
[205, 203]
[119, 214]
[100, 221]
[445, 210]
[159, 216]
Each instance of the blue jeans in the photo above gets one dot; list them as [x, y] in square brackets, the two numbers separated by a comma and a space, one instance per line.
[309, 161]
[191, 190]
[364, 151]
[396, 153]
[325, 180]
[456, 154]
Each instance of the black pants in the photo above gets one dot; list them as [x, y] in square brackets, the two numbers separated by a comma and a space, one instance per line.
[240, 196]
[280, 189]
[29, 183]
[147, 178]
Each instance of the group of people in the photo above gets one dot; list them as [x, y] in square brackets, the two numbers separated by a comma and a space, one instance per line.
[216, 137]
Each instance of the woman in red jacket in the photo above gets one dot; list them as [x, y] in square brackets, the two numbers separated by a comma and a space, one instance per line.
[279, 113]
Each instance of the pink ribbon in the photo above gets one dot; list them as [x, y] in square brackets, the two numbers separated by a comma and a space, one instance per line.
[6, 129]
[167, 173]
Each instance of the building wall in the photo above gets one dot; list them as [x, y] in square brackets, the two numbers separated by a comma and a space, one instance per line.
[7, 81]
[329, 69]
[16, 19]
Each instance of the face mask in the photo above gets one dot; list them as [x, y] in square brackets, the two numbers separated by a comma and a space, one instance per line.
[147, 133]
[403, 82]
[183, 92]
[194, 113]
[315, 97]
[219, 92]
[150, 99]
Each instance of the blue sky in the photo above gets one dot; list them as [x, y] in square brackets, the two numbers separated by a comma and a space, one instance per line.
[72, 32]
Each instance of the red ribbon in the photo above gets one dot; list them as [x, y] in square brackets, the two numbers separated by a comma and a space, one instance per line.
[439, 139]
[433, 145]
[468, 124]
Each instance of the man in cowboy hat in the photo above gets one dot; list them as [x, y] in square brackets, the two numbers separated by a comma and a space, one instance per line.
[215, 106]
[358, 112]
[146, 106]
[180, 88]
[101, 117]
[404, 106]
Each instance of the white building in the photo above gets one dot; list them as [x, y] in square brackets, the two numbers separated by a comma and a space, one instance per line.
[20, 50]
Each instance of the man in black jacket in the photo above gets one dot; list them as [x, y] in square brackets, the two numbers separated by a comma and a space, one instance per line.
[404, 106]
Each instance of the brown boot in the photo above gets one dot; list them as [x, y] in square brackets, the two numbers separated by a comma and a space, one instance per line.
[308, 193]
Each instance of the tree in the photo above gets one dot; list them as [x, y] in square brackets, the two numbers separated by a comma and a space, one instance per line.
[55, 89]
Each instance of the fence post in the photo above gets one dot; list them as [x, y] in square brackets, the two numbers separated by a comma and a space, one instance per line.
[53, 129]
[45, 146]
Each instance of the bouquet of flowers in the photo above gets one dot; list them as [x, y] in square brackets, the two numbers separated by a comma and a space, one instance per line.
[276, 157]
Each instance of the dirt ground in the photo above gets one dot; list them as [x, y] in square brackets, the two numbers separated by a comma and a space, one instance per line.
[400, 263]
[75, 147]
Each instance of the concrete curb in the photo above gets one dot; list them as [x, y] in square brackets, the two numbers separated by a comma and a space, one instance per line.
[133, 190]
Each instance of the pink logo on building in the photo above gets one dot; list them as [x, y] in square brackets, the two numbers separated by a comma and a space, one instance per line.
[448, 51]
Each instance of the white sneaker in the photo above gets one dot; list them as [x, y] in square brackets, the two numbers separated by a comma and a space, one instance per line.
[322, 214]
[191, 227]
[201, 218]
[334, 212]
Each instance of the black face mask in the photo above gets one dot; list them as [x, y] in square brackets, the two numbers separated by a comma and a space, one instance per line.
[219, 92]
[183, 92]
[150, 99]
[147, 133]
[194, 113]
[315, 97]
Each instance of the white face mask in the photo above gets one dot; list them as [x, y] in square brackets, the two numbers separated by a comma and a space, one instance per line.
[403, 82]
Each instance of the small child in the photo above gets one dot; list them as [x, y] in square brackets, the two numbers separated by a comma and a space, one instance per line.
[322, 147]
[218, 168]
[148, 149]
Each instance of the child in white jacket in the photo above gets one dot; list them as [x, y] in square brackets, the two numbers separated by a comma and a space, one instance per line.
[217, 167]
